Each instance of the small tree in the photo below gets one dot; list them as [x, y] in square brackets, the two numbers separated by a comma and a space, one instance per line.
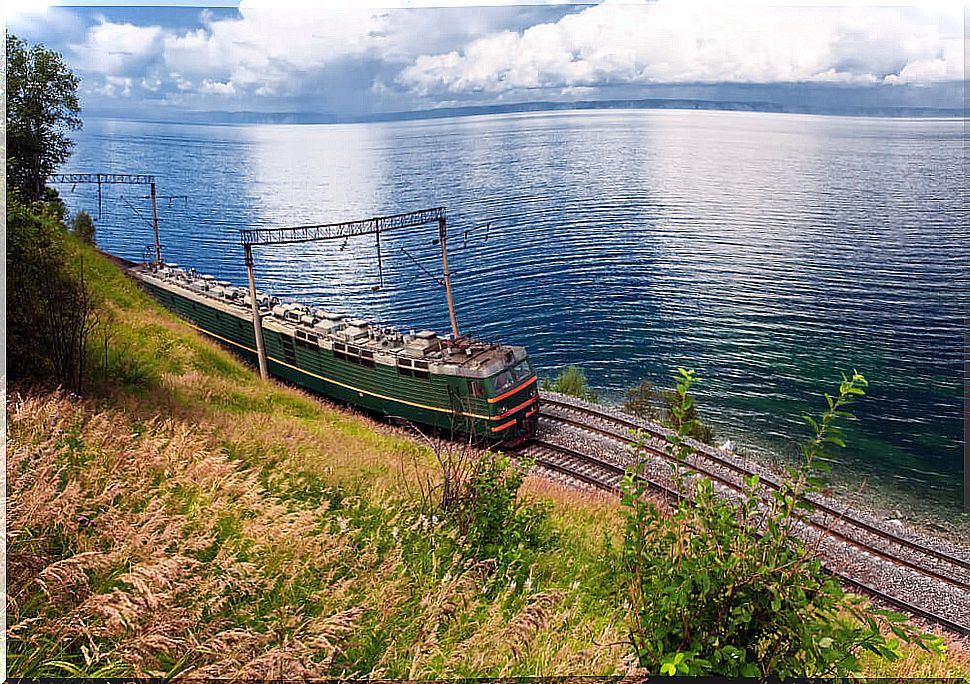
[648, 402]
[42, 107]
[642, 401]
[82, 225]
[50, 308]
[724, 588]
[477, 495]
[572, 381]
[676, 415]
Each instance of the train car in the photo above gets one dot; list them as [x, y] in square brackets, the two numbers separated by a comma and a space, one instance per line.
[464, 386]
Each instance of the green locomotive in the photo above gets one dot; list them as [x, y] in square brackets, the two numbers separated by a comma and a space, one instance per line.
[487, 390]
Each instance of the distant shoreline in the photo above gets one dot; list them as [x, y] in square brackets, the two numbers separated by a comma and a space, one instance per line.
[298, 118]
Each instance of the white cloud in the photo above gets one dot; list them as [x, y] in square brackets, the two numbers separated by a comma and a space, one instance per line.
[277, 51]
[677, 41]
[217, 88]
[328, 54]
[266, 51]
[118, 49]
[115, 86]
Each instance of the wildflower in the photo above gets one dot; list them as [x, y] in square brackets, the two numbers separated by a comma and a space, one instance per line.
[342, 522]
[434, 520]
[394, 532]
[528, 583]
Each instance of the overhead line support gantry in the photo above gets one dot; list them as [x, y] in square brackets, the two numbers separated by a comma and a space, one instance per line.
[335, 231]
[124, 178]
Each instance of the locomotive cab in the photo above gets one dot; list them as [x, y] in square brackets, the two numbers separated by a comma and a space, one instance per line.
[513, 402]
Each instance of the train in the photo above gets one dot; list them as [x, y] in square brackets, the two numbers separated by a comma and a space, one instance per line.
[486, 391]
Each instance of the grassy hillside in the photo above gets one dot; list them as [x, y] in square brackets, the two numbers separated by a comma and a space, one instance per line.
[184, 517]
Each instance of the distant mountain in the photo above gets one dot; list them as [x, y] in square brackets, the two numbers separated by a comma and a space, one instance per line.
[665, 103]
[941, 100]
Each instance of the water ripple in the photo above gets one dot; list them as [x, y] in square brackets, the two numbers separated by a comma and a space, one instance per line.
[768, 252]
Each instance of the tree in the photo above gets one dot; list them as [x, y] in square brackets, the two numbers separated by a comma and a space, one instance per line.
[82, 225]
[642, 401]
[572, 381]
[51, 310]
[42, 107]
[646, 401]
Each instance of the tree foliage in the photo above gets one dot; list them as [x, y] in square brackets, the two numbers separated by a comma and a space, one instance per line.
[51, 311]
[572, 381]
[726, 588]
[42, 107]
[642, 401]
[659, 405]
[82, 225]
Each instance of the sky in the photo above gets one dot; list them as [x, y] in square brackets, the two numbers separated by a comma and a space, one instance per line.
[340, 61]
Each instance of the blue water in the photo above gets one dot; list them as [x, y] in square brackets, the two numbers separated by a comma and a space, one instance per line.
[767, 251]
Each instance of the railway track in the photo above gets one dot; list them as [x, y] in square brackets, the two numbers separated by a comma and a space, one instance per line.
[870, 559]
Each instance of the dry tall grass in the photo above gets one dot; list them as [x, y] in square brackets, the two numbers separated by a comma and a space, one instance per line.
[239, 546]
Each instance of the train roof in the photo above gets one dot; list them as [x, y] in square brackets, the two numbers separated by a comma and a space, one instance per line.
[441, 355]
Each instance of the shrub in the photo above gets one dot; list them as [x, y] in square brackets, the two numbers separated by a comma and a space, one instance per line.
[642, 401]
[722, 588]
[477, 498]
[572, 381]
[494, 522]
[646, 401]
[82, 225]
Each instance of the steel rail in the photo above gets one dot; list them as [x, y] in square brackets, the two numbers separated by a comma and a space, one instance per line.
[707, 452]
[821, 527]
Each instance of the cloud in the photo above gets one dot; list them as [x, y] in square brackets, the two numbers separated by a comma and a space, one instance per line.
[263, 55]
[114, 49]
[677, 41]
[342, 60]
[267, 51]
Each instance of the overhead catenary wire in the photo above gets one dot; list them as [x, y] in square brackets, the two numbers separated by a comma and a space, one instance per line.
[249, 238]
[137, 213]
[419, 265]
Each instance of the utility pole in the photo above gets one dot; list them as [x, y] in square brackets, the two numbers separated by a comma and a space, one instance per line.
[442, 231]
[158, 247]
[257, 319]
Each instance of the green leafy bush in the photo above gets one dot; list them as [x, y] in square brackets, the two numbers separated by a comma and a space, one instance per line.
[51, 312]
[491, 517]
[724, 588]
[571, 381]
[651, 403]
[642, 401]
[476, 511]
[82, 225]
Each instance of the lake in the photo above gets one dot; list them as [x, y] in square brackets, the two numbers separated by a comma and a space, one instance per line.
[769, 252]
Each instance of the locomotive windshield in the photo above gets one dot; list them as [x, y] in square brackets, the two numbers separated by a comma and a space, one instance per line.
[507, 378]
[503, 381]
[522, 371]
